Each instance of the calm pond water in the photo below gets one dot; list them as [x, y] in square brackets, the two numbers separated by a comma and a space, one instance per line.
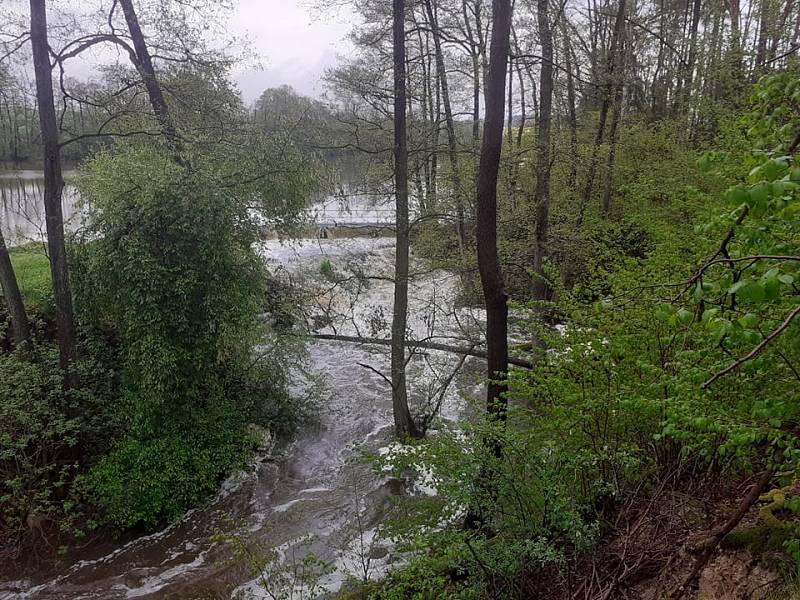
[22, 210]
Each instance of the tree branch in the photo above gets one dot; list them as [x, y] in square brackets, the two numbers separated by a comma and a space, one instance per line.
[757, 350]
[519, 362]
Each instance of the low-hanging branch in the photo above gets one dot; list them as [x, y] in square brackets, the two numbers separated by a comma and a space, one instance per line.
[464, 351]
[755, 351]
[721, 251]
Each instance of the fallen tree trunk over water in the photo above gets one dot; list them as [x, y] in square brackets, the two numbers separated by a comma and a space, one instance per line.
[519, 362]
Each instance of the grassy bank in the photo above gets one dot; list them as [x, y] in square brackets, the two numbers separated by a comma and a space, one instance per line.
[32, 268]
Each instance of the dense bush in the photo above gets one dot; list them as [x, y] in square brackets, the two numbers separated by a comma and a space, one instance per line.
[44, 433]
[169, 266]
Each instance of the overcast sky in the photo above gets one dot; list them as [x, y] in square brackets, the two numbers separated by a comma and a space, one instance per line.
[296, 43]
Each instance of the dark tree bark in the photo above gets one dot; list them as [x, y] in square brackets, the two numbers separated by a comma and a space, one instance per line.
[494, 292]
[466, 351]
[510, 105]
[735, 52]
[780, 29]
[53, 187]
[523, 107]
[542, 193]
[144, 65]
[764, 34]
[475, 55]
[403, 423]
[20, 328]
[616, 116]
[613, 136]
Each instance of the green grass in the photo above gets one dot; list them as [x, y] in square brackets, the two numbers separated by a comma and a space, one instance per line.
[32, 268]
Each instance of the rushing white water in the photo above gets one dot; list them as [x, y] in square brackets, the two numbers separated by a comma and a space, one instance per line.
[316, 495]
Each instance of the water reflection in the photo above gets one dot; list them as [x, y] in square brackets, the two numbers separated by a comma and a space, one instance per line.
[22, 207]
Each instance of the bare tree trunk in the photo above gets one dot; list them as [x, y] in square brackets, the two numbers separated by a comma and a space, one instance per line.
[736, 40]
[403, 423]
[510, 108]
[523, 107]
[452, 148]
[542, 193]
[612, 151]
[659, 86]
[796, 34]
[144, 65]
[615, 119]
[476, 78]
[422, 165]
[16, 307]
[619, 25]
[763, 35]
[688, 77]
[53, 187]
[494, 292]
[481, 43]
[572, 112]
[466, 351]
[781, 28]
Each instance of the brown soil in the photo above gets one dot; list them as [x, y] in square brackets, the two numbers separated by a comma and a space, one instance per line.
[650, 545]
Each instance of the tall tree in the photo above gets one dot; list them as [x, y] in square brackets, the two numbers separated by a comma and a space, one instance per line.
[688, 73]
[494, 292]
[452, 148]
[608, 94]
[571, 108]
[542, 193]
[616, 116]
[403, 423]
[53, 188]
[144, 65]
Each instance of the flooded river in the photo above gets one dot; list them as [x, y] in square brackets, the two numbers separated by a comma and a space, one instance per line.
[314, 494]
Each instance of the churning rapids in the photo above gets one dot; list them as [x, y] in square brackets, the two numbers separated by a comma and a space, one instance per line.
[311, 494]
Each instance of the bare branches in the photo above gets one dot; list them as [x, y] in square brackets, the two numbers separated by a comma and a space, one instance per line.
[722, 250]
[82, 44]
[374, 370]
[730, 524]
[757, 350]
[14, 44]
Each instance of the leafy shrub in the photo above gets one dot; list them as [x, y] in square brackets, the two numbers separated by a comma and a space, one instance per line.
[44, 432]
[171, 268]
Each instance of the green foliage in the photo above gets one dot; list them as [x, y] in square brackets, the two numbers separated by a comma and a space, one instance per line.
[33, 424]
[145, 480]
[171, 269]
[526, 499]
[660, 363]
[43, 432]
